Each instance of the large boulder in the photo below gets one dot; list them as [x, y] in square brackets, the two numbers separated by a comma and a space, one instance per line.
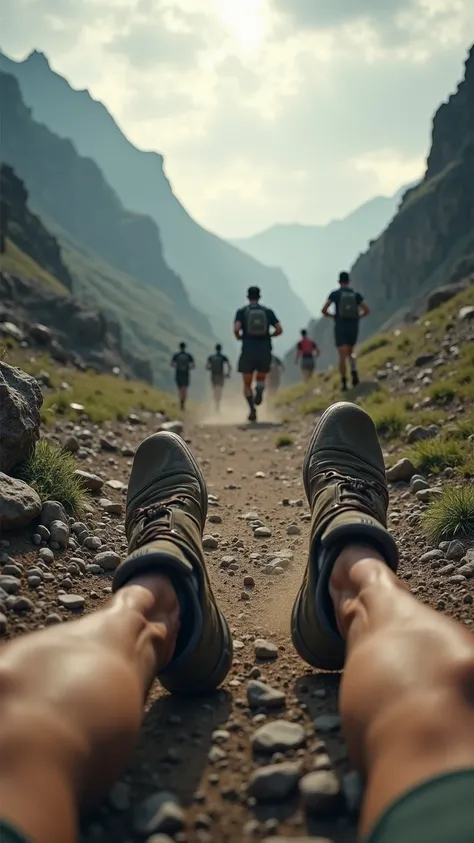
[19, 504]
[20, 404]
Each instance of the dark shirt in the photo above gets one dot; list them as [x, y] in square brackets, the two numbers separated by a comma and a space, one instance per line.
[216, 363]
[183, 361]
[272, 320]
[335, 296]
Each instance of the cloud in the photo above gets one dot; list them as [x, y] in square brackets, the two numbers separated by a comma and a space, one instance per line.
[265, 110]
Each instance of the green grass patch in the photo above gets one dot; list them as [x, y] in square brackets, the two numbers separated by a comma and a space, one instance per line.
[19, 263]
[390, 419]
[442, 392]
[380, 341]
[451, 515]
[50, 471]
[284, 440]
[432, 455]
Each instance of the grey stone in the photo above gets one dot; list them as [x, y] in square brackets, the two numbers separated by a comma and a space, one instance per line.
[10, 584]
[210, 542]
[111, 507]
[275, 782]
[119, 796]
[321, 793]
[293, 530]
[431, 555]
[427, 495]
[20, 403]
[52, 511]
[19, 503]
[91, 482]
[159, 813]
[92, 542]
[116, 484]
[419, 433]
[71, 601]
[172, 426]
[265, 649]
[22, 605]
[278, 736]
[216, 754]
[108, 560]
[71, 445]
[403, 470]
[260, 695]
[215, 519]
[455, 550]
[46, 555]
[262, 533]
[43, 532]
[466, 313]
[418, 483]
[327, 723]
[59, 533]
[12, 570]
[34, 582]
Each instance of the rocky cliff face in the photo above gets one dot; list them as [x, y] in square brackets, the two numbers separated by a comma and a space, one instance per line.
[26, 230]
[432, 235]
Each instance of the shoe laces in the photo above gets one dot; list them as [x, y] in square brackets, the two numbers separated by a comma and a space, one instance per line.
[364, 492]
[154, 520]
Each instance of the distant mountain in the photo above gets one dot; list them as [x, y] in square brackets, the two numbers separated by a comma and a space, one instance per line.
[114, 257]
[215, 273]
[313, 255]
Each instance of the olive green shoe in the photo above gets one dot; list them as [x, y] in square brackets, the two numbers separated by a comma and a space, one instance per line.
[345, 483]
[166, 513]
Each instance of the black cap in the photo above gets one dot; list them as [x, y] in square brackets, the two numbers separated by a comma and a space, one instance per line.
[253, 293]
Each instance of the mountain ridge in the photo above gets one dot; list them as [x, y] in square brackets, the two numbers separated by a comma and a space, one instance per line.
[215, 273]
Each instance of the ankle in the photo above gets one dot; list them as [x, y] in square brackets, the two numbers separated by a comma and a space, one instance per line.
[356, 568]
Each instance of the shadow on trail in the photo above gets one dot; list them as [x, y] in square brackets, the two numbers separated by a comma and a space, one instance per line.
[171, 755]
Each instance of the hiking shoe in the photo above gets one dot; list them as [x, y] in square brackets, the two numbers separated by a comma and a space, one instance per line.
[166, 513]
[344, 478]
[355, 379]
[258, 396]
[253, 415]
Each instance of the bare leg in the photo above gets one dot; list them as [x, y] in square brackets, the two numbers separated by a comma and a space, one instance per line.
[407, 697]
[247, 381]
[62, 740]
[344, 354]
[183, 394]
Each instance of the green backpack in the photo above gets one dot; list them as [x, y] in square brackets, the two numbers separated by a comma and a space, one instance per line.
[348, 307]
[256, 321]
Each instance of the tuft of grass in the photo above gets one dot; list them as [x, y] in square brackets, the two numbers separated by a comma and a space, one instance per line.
[436, 454]
[442, 392]
[50, 471]
[284, 440]
[380, 341]
[451, 515]
[390, 419]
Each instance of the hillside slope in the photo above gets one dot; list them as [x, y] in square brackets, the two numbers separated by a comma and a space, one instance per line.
[114, 257]
[214, 272]
[433, 231]
[313, 255]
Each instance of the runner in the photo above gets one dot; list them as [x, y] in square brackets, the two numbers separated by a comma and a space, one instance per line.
[72, 697]
[274, 375]
[306, 353]
[349, 308]
[182, 363]
[219, 367]
[252, 326]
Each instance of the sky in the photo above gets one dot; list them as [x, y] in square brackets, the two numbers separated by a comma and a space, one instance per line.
[266, 111]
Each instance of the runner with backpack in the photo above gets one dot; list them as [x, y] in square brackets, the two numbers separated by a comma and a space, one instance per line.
[219, 367]
[253, 324]
[306, 353]
[349, 308]
[182, 362]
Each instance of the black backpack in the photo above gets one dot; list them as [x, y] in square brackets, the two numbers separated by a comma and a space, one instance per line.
[348, 307]
[182, 361]
[217, 364]
[256, 321]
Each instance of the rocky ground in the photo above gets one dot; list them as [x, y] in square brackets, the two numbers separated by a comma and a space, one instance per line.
[254, 760]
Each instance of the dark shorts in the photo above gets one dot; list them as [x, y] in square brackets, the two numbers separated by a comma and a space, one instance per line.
[307, 363]
[254, 358]
[8, 834]
[217, 380]
[346, 332]
[182, 379]
[441, 810]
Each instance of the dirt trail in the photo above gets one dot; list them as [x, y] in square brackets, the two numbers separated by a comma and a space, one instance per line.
[178, 750]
